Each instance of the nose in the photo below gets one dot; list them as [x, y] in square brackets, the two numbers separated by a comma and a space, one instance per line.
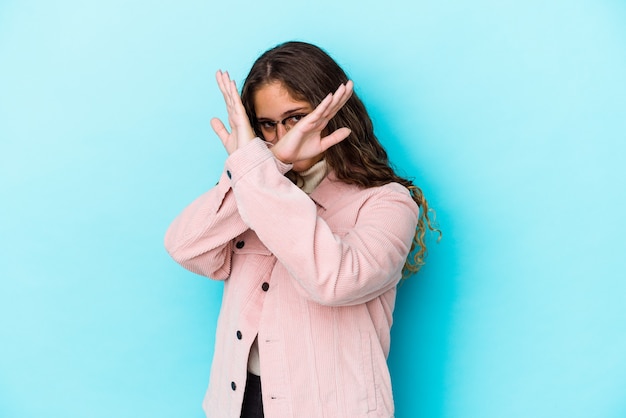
[281, 130]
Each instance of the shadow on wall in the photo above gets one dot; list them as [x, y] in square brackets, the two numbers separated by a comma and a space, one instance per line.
[421, 333]
[421, 343]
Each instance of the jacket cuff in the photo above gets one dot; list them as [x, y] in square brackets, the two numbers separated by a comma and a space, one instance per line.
[246, 158]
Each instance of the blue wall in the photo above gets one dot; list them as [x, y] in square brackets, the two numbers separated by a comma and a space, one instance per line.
[510, 115]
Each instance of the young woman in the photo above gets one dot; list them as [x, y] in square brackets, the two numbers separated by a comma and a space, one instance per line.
[310, 230]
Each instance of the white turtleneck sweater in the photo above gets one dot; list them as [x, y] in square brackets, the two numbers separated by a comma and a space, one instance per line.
[307, 181]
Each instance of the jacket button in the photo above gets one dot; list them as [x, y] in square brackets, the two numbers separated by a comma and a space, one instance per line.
[228, 174]
[233, 386]
[265, 286]
[239, 335]
[240, 244]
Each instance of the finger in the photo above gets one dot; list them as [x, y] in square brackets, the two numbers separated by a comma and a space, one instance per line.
[334, 138]
[237, 110]
[348, 88]
[234, 106]
[219, 77]
[234, 96]
[341, 96]
[327, 108]
[347, 93]
[220, 130]
[317, 113]
[227, 89]
[222, 83]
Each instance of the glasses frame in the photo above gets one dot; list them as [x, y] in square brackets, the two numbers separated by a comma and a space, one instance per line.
[274, 129]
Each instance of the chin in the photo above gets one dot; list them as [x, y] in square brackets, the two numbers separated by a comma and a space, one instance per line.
[304, 165]
[298, 168]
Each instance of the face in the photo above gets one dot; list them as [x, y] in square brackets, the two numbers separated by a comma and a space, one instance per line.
[277, 112]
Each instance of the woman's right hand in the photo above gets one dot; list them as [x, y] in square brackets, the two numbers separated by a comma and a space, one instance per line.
[241, 132]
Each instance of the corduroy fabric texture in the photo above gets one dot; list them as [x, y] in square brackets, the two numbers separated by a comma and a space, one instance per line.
[314, 276]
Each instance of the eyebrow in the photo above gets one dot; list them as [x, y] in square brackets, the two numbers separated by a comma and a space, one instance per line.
[285, 114]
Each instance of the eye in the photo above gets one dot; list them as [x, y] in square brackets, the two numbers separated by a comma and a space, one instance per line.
[267, 125]
[292, 120]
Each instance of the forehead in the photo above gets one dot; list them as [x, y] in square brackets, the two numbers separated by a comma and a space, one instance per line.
[274, 100]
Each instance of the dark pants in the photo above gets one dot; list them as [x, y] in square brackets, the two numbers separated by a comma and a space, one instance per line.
[252, 401]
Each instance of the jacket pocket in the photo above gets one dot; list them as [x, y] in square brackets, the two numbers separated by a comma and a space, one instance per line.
[251, 261]
[368, 370]
[249, 243]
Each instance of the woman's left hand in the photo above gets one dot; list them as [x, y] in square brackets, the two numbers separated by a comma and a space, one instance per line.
[241, 132]
[304, 140]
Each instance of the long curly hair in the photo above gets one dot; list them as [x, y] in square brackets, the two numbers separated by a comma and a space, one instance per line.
[309, 74]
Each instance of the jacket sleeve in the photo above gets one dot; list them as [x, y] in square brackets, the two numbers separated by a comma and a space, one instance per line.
[200, 238]
[358, 265]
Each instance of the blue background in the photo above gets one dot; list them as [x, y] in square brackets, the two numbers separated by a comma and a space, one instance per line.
[511, 115]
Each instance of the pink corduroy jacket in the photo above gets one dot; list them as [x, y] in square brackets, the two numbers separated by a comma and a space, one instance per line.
[313, 275]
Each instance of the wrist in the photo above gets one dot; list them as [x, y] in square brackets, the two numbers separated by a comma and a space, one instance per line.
[276, 150]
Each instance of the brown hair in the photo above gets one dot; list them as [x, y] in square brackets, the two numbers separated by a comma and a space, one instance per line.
[309, 74]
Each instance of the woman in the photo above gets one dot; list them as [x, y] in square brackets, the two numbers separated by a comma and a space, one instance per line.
[311, 230]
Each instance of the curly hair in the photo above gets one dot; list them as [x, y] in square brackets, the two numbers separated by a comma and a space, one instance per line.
[308, 73]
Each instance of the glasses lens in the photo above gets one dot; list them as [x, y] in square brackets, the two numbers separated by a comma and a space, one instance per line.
[292, 120]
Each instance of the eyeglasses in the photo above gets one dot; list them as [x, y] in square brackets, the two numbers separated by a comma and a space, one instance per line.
[269, 128]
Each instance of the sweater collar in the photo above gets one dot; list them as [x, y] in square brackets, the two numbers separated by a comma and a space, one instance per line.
[312, 176]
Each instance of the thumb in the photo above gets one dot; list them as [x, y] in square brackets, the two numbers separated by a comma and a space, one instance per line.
[335, 138]
[220, 130]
